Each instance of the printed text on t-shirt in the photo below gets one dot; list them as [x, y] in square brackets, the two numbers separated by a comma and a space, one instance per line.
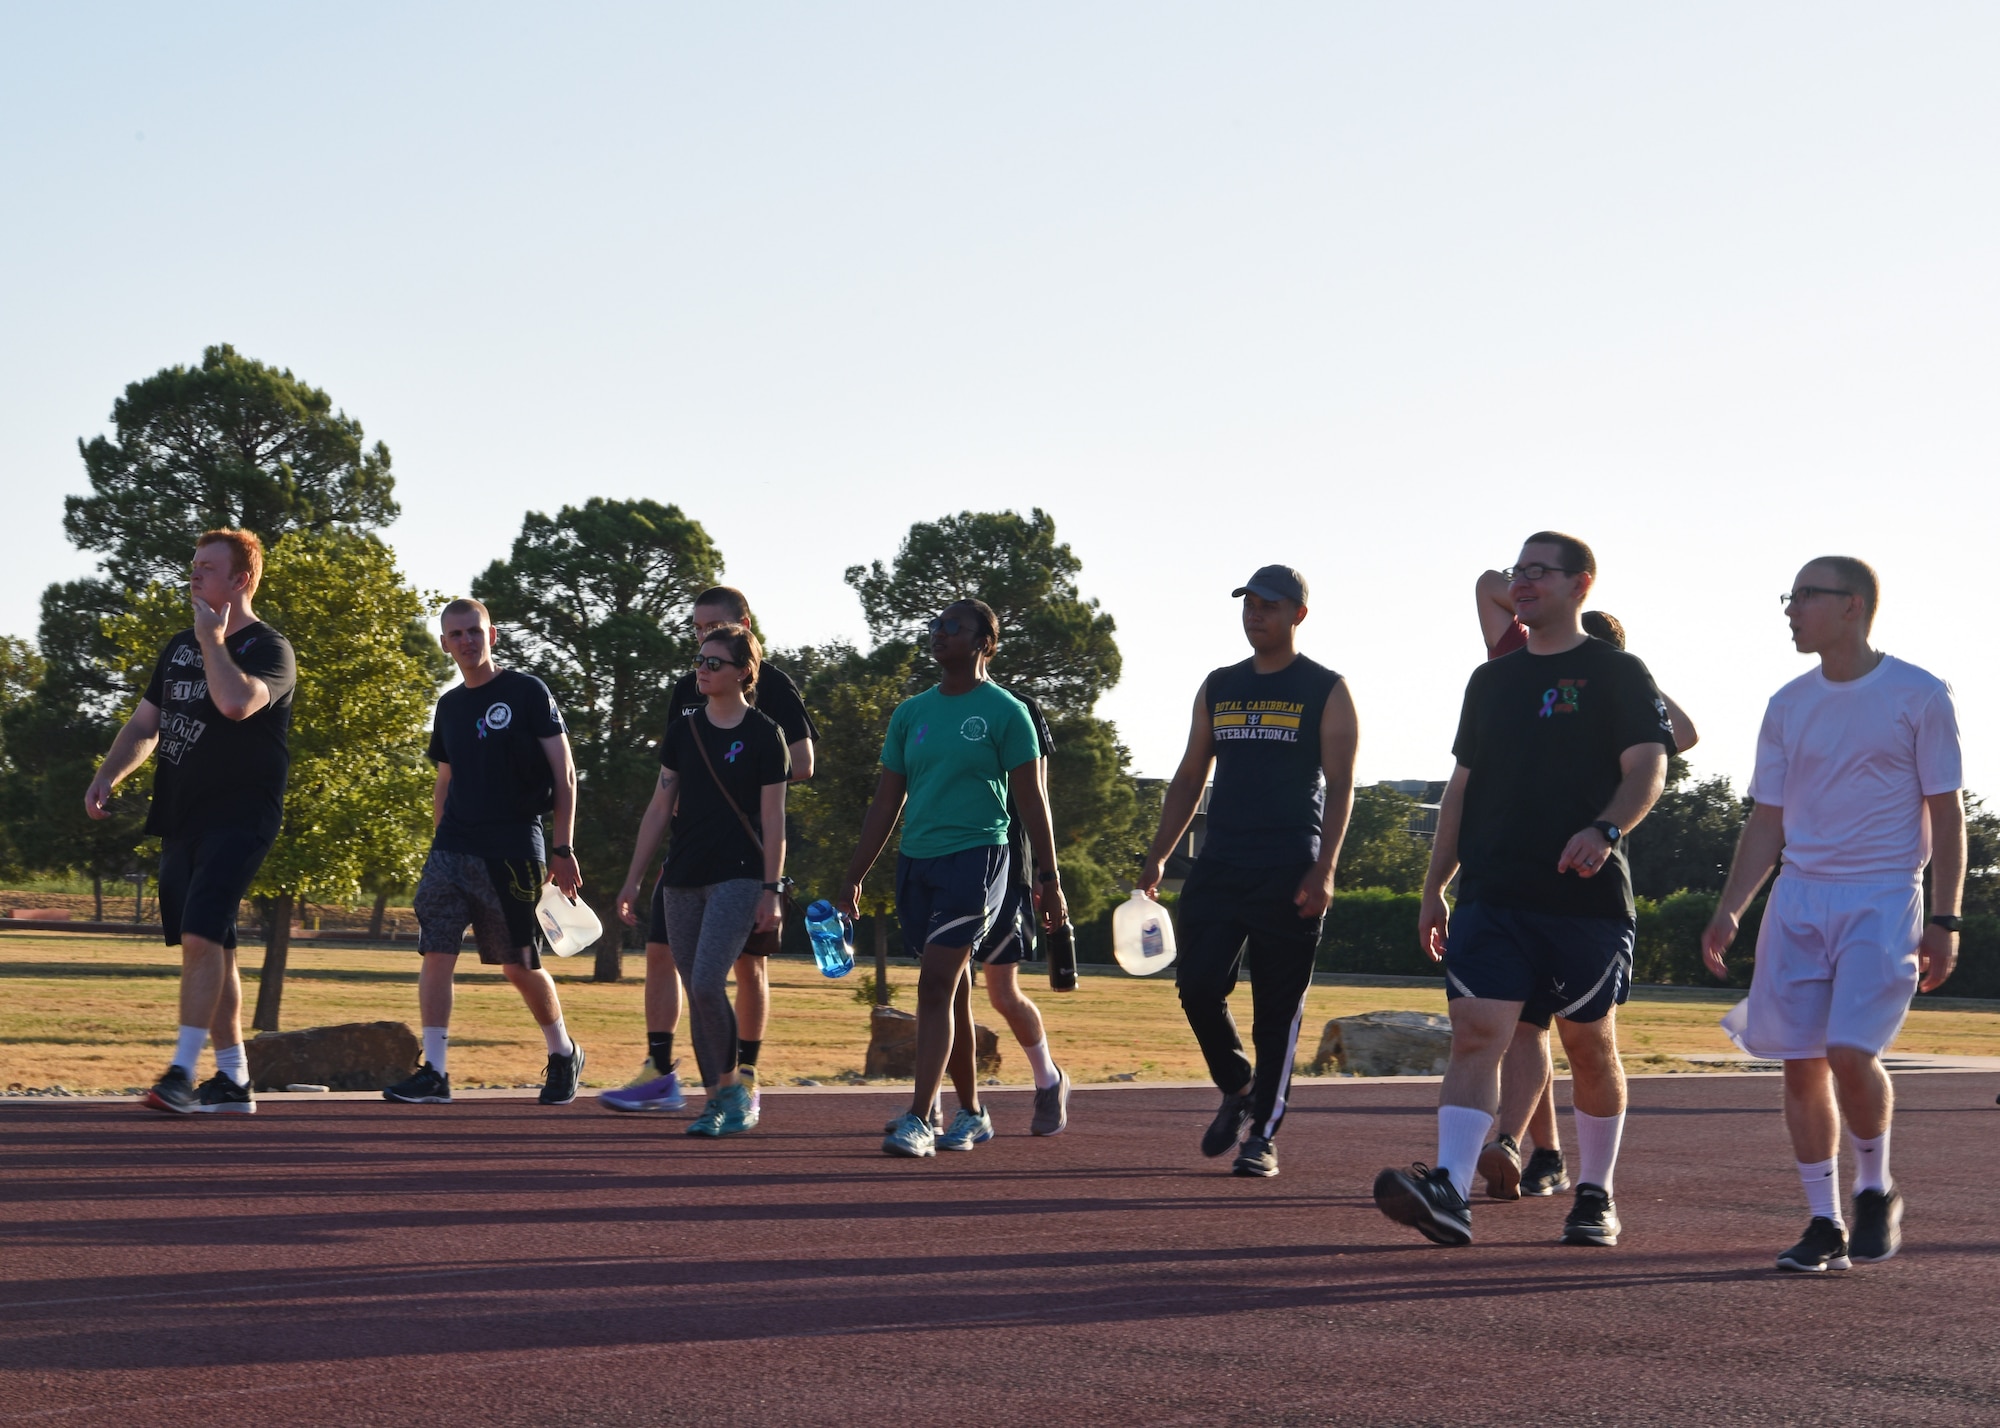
[1258, 719]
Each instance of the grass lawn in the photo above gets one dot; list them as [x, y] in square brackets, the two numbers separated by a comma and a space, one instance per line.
[98, 1013]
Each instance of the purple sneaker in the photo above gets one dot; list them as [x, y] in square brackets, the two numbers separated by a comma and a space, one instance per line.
[648, 1091]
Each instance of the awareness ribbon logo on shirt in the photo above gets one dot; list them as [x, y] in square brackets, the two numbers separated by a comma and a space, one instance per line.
[729, 756]
[1548, 709]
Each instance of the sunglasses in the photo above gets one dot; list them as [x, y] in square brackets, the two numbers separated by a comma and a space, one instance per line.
[951, 625]
[712, 663]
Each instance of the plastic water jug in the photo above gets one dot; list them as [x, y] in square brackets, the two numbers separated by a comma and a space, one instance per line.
[832, 934]
[1142, 935]
[569, 924]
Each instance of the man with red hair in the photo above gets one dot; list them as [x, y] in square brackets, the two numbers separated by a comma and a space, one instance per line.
[217, 712]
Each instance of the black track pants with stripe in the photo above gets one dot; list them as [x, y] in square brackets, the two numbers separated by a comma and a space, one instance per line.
[1228, 915]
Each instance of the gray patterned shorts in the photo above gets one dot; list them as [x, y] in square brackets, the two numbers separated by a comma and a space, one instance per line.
[496, 896]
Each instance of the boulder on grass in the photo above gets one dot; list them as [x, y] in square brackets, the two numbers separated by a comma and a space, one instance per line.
[1387, 1043]
[892, 1045]
[355, 1056]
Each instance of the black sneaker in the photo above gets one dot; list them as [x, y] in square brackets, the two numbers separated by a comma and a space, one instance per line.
[428, 1087]
[1545, 1174]
[1500, 1163]
[559, 1085]
[173, 1092]
[1427, 1201]
[1878, 1225]
[1258, 1157]
[220, 1093]
[1822, 1247]
[1227, 1128]
[1592, 1220]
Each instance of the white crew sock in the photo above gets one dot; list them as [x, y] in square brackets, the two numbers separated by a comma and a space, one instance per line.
[233, 1062]
[1822, 1184]
[187, 1050]
[1043, 1064]
[1597, 1140]
[558, 1039]
[1461, 1136]
[437, 1048]
[1871, 1162]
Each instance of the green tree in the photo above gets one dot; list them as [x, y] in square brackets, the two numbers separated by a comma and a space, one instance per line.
[1982, 857]
[55, 731]
[232, 442]
[358, 799]
[1055, 645]
[1688, 839]
[1380, 851]
[595, 601]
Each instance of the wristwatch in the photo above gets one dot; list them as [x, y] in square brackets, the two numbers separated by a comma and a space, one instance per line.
[1611, 831]
[1950, 922]
[562, 852]
[776, 887]
[1047, 876]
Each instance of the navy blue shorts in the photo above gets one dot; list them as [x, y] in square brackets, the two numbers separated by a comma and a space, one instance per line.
[952, 901]
[1577, 968]
[204, 878]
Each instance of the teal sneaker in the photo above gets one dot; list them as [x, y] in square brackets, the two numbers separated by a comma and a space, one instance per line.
[739, 1109]
[910, 1136]
[967, 1130]
[709, 1121]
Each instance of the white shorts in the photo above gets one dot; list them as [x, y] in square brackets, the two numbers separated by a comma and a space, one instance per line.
[1836, 966]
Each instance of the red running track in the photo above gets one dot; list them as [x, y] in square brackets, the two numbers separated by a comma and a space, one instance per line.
[495, 1262]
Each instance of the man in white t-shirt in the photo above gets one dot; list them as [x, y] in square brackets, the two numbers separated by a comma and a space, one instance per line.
[1857, 784]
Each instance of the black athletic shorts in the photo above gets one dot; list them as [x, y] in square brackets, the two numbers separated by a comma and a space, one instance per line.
[203, 878]
[953, 900]
[1577, 968]
[1012, 936]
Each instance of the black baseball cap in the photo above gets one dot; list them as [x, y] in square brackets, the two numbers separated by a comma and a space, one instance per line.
[1274, 582]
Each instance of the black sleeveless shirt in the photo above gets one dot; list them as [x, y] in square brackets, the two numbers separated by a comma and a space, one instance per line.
[1270, 792]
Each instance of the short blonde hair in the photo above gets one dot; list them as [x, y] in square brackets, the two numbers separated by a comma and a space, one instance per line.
[246, 553]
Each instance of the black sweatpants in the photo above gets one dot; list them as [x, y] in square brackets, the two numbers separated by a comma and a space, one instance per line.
[1225, 912]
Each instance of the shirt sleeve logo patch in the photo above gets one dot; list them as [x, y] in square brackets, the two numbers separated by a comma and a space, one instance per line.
[973, 729]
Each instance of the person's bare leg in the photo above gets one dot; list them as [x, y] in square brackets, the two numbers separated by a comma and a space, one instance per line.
[537, 989]
[1862, 1089]
[1023, 1017]
[941, 970]
[1542, 1124]
[1597, 1090]
[753, 997]
[211, 991]
[1524, 1079]
[434, 987]
[1810, 1114]
[963, 1066]
[1481, 1028]
[664, 996]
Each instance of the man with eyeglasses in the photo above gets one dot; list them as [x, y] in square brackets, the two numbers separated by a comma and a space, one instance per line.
[1279, 729]
[1561, 749]
[1857, 786]
[656, 1087]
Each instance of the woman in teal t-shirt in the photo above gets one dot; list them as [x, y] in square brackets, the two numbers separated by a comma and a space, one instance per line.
[952, 755]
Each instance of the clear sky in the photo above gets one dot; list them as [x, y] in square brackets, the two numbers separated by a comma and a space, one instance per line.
[1371, 289]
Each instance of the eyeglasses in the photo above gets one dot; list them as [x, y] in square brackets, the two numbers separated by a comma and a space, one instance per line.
[951, 626]
[1806, 592]
[1536, 571]
[712, 663]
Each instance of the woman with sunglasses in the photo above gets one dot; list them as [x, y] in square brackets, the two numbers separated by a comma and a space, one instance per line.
[952, 756]
[721, 794]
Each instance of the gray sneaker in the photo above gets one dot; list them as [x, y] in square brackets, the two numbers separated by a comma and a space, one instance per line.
[910, 1137]
[1878, 1225]
[1052, 1107]
[968, 1128]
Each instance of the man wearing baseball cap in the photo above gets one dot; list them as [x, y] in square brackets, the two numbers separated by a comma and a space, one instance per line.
[1279, 731]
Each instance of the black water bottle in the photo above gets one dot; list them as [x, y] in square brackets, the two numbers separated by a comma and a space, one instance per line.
[1062, 957]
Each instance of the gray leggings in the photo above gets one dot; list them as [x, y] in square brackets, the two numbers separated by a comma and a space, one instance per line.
[708, 927]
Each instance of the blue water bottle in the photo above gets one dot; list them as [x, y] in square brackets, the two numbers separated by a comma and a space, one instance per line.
[832, 936]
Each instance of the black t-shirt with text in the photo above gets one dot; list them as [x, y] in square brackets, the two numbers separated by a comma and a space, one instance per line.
[1269, 796]
[709, 844]
[1541, 736]
[777, 699]
[491, 736]
[211, 771]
